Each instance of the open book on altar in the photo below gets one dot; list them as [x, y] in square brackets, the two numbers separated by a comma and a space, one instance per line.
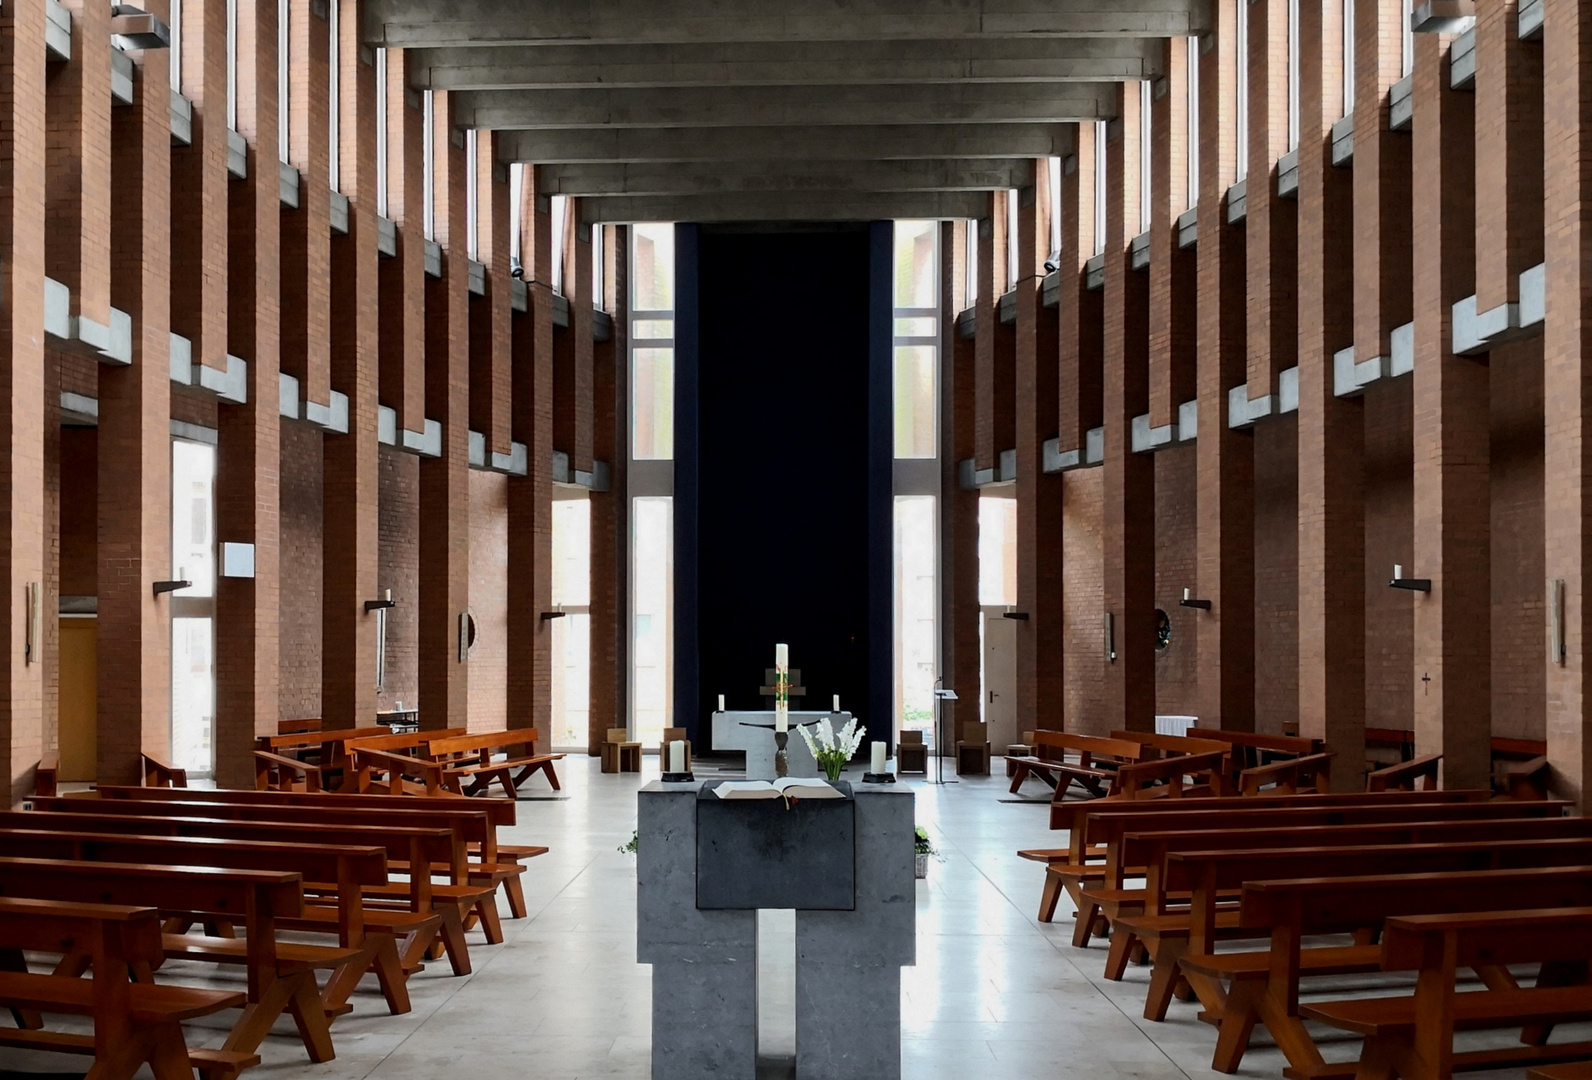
[789, 788]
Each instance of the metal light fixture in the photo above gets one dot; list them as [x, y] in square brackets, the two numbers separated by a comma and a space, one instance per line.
[1412, 584]
[1189, 601]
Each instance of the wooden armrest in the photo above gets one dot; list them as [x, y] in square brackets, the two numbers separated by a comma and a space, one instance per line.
[398, 763]
[301, 767]
[1284, 768]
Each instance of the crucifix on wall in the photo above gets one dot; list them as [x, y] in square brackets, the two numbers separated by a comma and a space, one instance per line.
[769, 678]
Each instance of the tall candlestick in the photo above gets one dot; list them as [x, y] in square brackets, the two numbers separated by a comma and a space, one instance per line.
[782, 658]
[877, 764]
[721, 703]
[677, 756]
[837, 703]
[781, 717]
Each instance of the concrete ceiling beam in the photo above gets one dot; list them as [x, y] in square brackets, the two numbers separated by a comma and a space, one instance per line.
[552, 67]
[805, 206]
[431, 23]
[781, 106]
[775, 148]
[795, 177]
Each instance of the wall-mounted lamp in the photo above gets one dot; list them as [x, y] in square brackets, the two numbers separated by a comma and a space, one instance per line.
[380, 608]
[385, 602]
[558, 613]
[1556, 646]
[31, 597]
[1413, 584]
[1189, 601]
[170, 586]
[1020, 615]
[1111, 638]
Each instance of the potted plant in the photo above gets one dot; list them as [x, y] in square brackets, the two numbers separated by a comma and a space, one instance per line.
[923, 847]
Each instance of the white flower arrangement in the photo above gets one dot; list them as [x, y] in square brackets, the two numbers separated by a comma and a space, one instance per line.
[830, 750]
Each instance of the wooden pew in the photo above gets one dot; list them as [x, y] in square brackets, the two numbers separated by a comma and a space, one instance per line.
[377, 768]
[1311, 773]
[1165, 777]
[421, 921]
[470, 757]
[1413, 1036]
[501, 813]
[306, 761]
[298, 727]
[1097, 761]
[1252, 748]
[350, 867]
[1407, 776]
[44, 775]
[281, 976]
[160, 773]
[134, 1023]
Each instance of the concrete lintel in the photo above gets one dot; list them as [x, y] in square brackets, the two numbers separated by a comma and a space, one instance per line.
[1050, 290]
[413, 441]
[1462, 61]
[967, 324]
[1288, 175]
[661, 178]
[237, 155]
[1443, 16]
[79, 409]
[816, 205]
[1007, 470]
[561, 470]
[57, 31]
[1188, 422]
[602, 325]
[519, 295]
[1343, 141]
[965, 477]
[1243, 412]
[332, 416]
[1238, 202]
[288, 185]
[477, 273]
[1056, 459]
[515, 463]
[121, 78]
[180, 353]
[386, 237]
[1139, 251]
[288, 396]
[1350, 378]
[1094, 272]
[195, 432]
[477, 450]
[57, 309]
[231, 385]
[1465, 329]
[1533, 295]
[1401, 104]
[599, 479]
[1402, 341]
[339, 213]
[1530, 15]
[1288, 390]
[433, 259]
[560, 311]
[386, 425]
[1147, 439]
[181, 120]
[1006, 308]
[1094, 446]
[1188, 228]
[431, 444]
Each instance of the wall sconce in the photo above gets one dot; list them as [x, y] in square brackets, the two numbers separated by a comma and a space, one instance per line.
[170, 586]
[33, 639]
[1556, 644]
[1021, 616]
[1413, 584]
[1111, 638]
[1189, 601]
[380, 608]
[381, 605]
[558, 613]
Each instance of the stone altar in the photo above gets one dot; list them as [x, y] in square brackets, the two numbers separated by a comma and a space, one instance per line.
[753, 732]
[704, 962]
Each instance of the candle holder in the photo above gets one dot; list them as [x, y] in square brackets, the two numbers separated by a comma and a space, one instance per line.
[878, 778]
[781, 756]
[679, 777]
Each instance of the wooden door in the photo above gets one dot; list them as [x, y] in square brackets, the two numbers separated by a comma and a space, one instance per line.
[79, 698]
[1000, 680]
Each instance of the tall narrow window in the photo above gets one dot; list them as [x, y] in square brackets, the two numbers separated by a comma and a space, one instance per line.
[1193, 141]
[334, 169]
[560, 207]
[284, 87]
[916, 612]
[599, 276]
[1053, 167]
[1348, 56]
[472, 204]
[516, 193]
[175, 26]
[917, 338]
[571, 594]
[652, 616]
[1012, 268]
[381, 133]
[652, 342]
[1407, 35]
[232, 64]
[1293, 74]
[1100, 185]
[1146, 145]
[970, 275]
[1241, 95]
[193, 558]
[428, 165]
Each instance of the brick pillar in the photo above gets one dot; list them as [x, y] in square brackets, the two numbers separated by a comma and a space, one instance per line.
[1224, 458]
[1079, 310]
[959, 610]
[306, 232]
[572, 352]
[1173, 299]
[1040, 582]
[992, 377]
[1381, 172]
[531, 496]
[445, 480]
[1509, 101]
[350, 498]
[489, 314]
[610, 578]
[77, 208]
[22, 156]
[248, 460]
[1452, 428]
[199, 189]
[1270, 224]
[402, 384]
[1567, 131]
[135, 436]
[1129, 519]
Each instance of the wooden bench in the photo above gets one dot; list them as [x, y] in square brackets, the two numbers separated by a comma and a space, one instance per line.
[160, 773]
[396, 764]
[1413, 1036]
[1311, 773]
[281, 976]
[1098, 760]
[1246, 973]
[1193, 775]
[471, 758]
[134, 1023]
[351, 867]
[45, 775]
[306, 761]
[1251, 748]
[1406, 776]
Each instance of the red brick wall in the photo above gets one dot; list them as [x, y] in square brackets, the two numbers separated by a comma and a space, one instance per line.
[1081, 523]
[79, 512]
[489, 600]
[1389, 539]
[1519, 680]
[398, 569]
[1176, 666]
[1276, 574]
[301, 563]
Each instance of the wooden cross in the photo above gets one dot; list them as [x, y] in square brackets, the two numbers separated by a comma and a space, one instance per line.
[1427, 679]
[769, 675]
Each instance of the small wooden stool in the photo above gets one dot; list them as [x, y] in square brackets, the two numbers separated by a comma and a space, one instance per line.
[619, 753]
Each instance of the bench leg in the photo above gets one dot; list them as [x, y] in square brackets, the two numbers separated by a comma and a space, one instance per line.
[378, 955]
[552, 777]
[514, 889]
[1166, 980]
[168, 1053]
[286, 993]
[1290, 1035]
[1049, 897]
[124, 1059]
[451, 936]
[310, 1016]
[1117, 954]
[491, 925]
[1237, 1024]
[1019, 774]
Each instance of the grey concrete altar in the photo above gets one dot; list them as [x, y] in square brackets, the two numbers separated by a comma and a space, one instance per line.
[753, 732]
[704, 962]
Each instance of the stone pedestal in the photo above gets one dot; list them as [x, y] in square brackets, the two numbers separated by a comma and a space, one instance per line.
[704, 963]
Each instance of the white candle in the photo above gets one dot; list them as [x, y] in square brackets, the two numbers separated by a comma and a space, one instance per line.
[721, 703]
[878, 758]
[837, 703]
[782, 658]
[677, 756]
[1398, 571]
[781, 718]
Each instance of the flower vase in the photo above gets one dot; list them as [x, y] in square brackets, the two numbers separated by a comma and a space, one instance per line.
[832, 770]
[921, 869]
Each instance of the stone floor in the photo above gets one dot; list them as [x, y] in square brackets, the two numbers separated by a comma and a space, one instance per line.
[994, 993]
